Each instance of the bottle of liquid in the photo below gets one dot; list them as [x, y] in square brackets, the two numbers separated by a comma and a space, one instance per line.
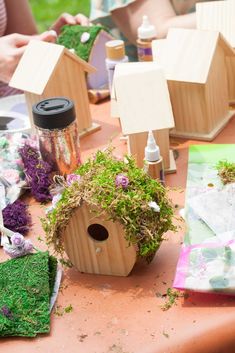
[115, 53]
[56, 127]
[146, 33]
[153, 160]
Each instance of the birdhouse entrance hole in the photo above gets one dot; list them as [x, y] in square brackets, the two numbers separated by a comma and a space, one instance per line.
[98, 232]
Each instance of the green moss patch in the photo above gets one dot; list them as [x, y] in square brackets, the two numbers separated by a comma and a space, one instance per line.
[226, 171]
[70, 38]
[129, 205]
[26, 284]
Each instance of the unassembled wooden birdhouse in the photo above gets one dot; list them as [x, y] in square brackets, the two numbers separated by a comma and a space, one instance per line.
[110, 213]
[140, 98]
[219, 16]
[50, 70]
[196, 73]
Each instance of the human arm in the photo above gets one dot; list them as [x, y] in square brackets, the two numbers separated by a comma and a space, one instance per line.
[160, 13]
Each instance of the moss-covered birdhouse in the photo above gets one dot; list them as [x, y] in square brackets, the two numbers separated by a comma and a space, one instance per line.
[109, 213]
[88, 43]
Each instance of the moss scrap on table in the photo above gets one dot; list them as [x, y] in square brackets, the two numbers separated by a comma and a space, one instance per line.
[226, 171]
[26, 284]
[70, 37]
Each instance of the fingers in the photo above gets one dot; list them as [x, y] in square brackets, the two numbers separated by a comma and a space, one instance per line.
[82, 20]
[48, 36]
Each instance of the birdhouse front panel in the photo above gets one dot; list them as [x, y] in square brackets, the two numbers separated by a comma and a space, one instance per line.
[95, 245]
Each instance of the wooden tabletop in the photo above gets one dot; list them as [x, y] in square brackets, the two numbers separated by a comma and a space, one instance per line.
[124, 314]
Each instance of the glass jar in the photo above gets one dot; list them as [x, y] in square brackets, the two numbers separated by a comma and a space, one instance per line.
[55, 123]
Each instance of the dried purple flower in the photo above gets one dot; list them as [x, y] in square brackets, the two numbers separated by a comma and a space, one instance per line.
[37, 172]
[5, 311]
[71, 178]
[17, 240]
[14, 251]
[16, 217]
[122, 180]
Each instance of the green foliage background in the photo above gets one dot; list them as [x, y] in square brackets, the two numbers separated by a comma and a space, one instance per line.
[47, 11]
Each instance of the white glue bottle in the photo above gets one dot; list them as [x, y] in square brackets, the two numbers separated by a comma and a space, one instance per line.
[146, 33]
[115, 53]
[153, 160]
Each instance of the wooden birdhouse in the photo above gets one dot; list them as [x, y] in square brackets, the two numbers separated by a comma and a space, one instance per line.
[50, 70]
[196, 73]
[100, 247]
[219, 16]
[110, 214]
[141, 99]
[88, 43]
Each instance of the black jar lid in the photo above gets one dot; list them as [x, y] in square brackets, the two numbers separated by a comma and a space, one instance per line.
[54, 113]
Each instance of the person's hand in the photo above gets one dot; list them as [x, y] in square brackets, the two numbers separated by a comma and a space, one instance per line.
[67, 19]
[12, 47]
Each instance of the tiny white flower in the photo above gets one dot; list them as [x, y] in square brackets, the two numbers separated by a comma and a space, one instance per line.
[154, 206]
[85, 37]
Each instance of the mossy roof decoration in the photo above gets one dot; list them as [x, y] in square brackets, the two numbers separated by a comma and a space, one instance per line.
[70, 38]
[129, 205]
[226, 171]
[26, 285]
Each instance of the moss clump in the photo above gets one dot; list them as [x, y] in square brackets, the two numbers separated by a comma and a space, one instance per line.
[25, 287]
[70, 38]
[226, 171]
[128, 205]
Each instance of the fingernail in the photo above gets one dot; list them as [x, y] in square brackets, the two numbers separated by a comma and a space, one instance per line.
[52, 32]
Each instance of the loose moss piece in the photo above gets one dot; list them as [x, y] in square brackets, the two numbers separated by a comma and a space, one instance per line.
[129, 205]
[172, 296]
[25, 293]
[226, 171]
[70, 37]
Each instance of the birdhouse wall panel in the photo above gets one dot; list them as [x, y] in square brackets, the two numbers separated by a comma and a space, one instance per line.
[69, 80]
[230, 64]
[137, 143]
[189, 106]
[216, 92]
[112, 256]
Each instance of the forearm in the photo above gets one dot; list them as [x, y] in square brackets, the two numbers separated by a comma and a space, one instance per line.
[160, 13]
[19, 17]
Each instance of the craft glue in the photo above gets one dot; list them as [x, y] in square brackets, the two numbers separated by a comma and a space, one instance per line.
[153, 160]
[115, 53]
[146, 33]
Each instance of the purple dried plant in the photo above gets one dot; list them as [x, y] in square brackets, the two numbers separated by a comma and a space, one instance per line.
[37, 172]
[16, 217]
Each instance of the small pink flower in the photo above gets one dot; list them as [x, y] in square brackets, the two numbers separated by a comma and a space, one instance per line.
[11, 175]
[71, 178]
[122, 180]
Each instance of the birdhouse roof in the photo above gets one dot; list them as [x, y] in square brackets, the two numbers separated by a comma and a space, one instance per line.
[38, 63]
[217, 15]
[142, 95]
[72, 38]
[186, 54]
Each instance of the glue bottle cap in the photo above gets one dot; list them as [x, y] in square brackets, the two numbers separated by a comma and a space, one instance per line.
[146, 30]
[152, 151]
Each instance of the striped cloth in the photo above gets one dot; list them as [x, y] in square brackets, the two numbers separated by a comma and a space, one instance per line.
[5, 90]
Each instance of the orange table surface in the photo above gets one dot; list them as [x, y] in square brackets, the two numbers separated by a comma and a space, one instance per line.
[124, 314]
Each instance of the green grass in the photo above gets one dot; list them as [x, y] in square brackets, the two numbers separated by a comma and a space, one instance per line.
[47, 11]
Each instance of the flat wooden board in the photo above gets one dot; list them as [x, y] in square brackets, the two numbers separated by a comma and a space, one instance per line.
[142, 97]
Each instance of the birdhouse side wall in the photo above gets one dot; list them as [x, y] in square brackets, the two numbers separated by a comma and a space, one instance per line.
[189, 107]
[112, 256]
[216, 90]
[230, 64]
[138, 142]
[69, 80]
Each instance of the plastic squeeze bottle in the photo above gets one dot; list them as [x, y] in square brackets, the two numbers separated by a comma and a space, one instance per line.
[153, 160]
[146, 33]
[115, 53]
